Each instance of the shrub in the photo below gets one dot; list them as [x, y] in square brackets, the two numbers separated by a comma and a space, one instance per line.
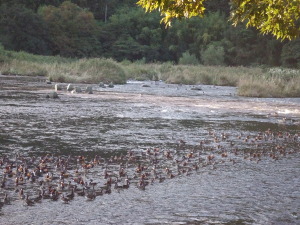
[188, 59]
[290, 55]
[213, 55]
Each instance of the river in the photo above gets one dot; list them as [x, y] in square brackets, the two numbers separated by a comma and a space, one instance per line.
[233, 160]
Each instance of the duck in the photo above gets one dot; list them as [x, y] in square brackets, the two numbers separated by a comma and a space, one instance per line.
[45, 196]
[99, 192]
[141, 184]
[90, 195]
[161, 179]
[91, 183]
[28, 201]
[39, 197]
[126, 185]
[64, 199]
[21, 194]
[3, 182]
[81, 193]
[117, 186]
[6, 199]
[71, 195]
[54, 195]
[48, 177]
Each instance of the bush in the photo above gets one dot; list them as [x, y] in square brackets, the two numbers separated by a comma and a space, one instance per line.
[290, 55]
[188, 59]
[213, 55]
[138, 71]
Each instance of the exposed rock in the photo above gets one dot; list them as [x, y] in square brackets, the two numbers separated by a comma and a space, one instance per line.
[145, 85]
[48, 82]
[196, 88]
[58, 87]
[70, 87]
[78, 89]
[102, 85]
[111, 85]
[89, 90]
[52, 95]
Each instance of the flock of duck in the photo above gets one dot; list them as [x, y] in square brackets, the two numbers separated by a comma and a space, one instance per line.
[34, 179]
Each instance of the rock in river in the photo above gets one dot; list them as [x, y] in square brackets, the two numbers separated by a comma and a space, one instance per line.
[58, 87]
[89, 90]
[76, 90]
[102, 85]
[52, 95]
[70, 87]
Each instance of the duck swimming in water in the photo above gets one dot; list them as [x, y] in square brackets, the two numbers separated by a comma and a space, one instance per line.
[90, 195]
[28, 201]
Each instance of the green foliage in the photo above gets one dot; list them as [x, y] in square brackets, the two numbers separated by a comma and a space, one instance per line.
[73, 30]
[290, 55]
[174, 9]
[281, 18]
[130, 34]
[188, 59]
[213, 55]
[70, 29]
[22, 29]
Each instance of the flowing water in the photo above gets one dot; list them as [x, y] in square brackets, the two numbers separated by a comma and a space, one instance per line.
[236, 187]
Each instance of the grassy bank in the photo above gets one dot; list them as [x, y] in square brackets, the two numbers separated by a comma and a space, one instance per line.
[60, 69]
[252, 82]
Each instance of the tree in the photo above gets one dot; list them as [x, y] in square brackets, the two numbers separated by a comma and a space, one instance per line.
[22, 29]
[130, 34]
[73, 30]
[290, 55]
[213, 55]
[280, 18]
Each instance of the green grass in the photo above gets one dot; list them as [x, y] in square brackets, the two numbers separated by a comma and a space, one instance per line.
[59, 69]
[87, 71]
[252, 82]
[276, 82]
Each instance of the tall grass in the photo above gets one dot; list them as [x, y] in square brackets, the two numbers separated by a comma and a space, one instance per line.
[253, 82]
[60, 69]
[88, 71]
[275, 82]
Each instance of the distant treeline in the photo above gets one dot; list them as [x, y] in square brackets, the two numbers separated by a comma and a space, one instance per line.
[121, 30]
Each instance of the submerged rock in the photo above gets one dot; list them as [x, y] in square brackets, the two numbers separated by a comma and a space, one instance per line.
[196, 88]
[52, 95]
[89, 90]
[70, 87]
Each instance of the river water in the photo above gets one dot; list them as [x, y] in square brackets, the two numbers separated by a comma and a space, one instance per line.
[235, 187]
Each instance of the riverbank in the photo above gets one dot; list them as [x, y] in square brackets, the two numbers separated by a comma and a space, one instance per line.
[250, 82]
